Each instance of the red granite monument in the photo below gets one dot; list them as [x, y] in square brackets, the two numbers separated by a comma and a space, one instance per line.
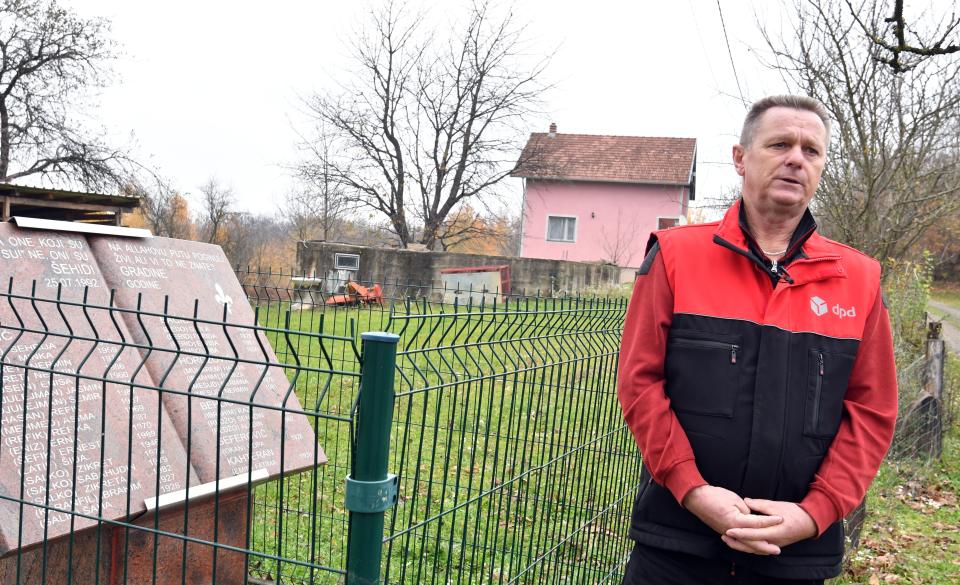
[109, 412]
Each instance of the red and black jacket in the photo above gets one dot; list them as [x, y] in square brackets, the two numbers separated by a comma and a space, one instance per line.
[773, 381]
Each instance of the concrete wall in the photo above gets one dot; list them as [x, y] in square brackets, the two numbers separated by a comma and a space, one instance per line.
[610, 218]
[406, 266]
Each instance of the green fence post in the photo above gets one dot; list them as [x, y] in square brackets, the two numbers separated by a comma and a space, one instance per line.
[370, 490]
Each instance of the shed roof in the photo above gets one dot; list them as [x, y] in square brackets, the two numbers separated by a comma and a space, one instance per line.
[604, 158]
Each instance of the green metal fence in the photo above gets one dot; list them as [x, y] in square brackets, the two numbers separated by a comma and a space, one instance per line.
[477, 443]
[513, 462]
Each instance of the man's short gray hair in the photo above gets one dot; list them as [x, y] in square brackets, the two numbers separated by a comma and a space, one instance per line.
[796, 102]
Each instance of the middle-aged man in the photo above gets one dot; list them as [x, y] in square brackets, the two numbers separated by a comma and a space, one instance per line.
[756, 375]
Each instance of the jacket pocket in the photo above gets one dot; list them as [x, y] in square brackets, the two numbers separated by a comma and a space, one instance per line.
[829, 374]
[702, 374]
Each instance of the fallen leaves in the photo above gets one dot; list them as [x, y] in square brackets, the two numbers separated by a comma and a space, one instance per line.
[925, 499]
[890, 541]
[876, 579]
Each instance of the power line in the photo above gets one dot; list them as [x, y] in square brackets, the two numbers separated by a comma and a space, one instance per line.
[706, 55]
[730, 53]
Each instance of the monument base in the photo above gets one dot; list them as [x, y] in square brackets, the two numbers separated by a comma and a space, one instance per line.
[126, 556]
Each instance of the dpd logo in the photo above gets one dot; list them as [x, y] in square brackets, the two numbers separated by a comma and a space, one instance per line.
[841, 312]
[818, 306]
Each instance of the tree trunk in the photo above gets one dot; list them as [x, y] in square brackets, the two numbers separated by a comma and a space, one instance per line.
[4, 141]
[429, 238]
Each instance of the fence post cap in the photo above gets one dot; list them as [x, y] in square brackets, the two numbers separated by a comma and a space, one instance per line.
[381, 336]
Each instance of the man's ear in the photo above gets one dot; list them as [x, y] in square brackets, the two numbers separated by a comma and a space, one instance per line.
[738, 158]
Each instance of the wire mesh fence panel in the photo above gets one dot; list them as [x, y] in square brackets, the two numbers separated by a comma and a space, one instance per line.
[161, 439]
[142, 443]
[515, 466]
[919, 427]
[514, 463]
[299, 521]
[308, 520]
[906, 452]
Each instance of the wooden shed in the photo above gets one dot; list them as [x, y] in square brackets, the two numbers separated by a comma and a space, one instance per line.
[39, 202]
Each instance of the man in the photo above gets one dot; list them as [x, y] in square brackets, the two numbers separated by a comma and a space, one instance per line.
[756, 375]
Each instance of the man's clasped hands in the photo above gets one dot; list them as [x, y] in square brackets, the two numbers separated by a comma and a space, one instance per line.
[749, 525]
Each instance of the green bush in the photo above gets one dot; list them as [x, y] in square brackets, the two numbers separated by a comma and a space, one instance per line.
[906, 288]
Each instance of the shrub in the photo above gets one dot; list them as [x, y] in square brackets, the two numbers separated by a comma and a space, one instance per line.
[906, 287]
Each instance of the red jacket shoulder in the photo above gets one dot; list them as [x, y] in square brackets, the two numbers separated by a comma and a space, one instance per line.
[686, 233]
[854, 259]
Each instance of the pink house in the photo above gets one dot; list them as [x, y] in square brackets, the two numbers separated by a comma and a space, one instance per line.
[597, 198]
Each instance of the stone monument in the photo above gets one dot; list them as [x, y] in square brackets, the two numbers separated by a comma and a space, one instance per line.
[135, 389]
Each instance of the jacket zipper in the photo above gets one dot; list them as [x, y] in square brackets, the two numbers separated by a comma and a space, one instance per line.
[734, 348]
[816, 394]
[778, 267]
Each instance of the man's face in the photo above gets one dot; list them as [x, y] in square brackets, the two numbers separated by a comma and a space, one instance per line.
[781, 167]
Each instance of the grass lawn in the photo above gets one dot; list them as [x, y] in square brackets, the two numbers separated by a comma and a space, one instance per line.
[513, 459]
[912, 531]
[946, 293]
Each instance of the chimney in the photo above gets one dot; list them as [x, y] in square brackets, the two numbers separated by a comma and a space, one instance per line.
[553, 130]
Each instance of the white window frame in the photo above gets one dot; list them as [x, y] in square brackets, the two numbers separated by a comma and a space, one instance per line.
[676, 217]
[576, 225]
[354, 257]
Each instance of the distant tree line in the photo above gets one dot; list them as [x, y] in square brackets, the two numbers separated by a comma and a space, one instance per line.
[414, 147]
[413, 152]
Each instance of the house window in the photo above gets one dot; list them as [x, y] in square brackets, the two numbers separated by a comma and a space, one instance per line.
[667, 222]
[561, 228]
[347, 261]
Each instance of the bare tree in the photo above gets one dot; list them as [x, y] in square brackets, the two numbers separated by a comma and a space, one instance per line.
[50, 59]
[470, 104]
[466, 224]
[893, 167]
[430, 121]
[299, 209]
[907, 47]
[257, 240]
[216, 202]
[165, 211]
[712, 207]
[365, 121]
[318, 208]
[619, 243]
[512, 234]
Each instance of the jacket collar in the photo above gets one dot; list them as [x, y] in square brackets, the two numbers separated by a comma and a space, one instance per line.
[734, 229]
[805, 245]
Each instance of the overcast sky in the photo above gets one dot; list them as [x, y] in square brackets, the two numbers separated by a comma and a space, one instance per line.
[212, 88]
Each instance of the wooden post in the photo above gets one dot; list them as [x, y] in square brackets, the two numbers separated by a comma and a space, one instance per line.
[933, 370]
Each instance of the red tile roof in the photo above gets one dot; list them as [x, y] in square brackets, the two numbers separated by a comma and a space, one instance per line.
[616, 159]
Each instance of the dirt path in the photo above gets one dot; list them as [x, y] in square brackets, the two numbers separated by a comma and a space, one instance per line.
[951, 324]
